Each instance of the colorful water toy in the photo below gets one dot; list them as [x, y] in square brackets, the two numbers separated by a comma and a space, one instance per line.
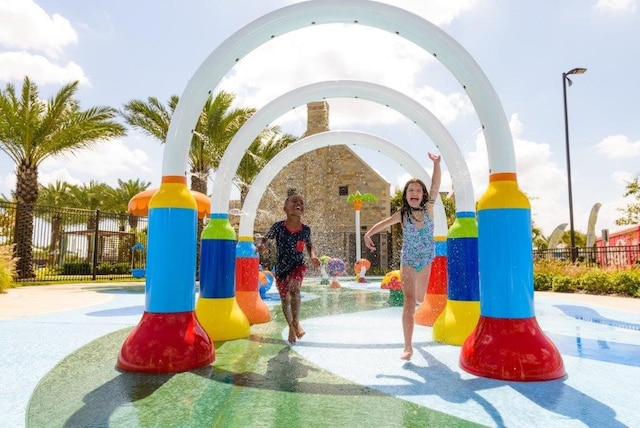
[323, 270]
[335, 268]
[265, 281]
[361, 267]
[391, 281]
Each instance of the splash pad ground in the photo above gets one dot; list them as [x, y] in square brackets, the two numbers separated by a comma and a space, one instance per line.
[58, 366]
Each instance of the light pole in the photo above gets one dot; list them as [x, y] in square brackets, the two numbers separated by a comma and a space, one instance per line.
[565, 79]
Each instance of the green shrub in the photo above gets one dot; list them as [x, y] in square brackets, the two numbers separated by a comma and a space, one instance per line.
[113, 268]
[596, 282]
[563, 284]
[7, 267]
[76, 268]
[48, 271]
[542, 281]
[626, 283]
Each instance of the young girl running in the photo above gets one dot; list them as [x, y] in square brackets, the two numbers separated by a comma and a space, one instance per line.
[292, 236]
[418, 245]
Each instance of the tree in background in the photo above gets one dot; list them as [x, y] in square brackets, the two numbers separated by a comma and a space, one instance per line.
[117, 199]
[216, 126]
[32, 130]
[632, 210]
[54, 195]
[264, 148]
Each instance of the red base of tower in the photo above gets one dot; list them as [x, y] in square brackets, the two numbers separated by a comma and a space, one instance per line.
[511, 349]
[166, 343]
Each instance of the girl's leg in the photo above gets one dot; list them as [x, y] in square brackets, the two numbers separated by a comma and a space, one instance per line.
[408, 277]
[294, 291]
[422, 282]
[288, 316]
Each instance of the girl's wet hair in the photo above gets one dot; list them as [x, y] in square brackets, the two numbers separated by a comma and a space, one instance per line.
[406, 208]
[291, 191]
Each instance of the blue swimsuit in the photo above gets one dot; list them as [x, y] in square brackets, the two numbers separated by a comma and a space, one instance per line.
[418, 245]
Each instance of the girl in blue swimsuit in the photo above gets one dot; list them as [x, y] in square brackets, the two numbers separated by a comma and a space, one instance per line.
[418, 245]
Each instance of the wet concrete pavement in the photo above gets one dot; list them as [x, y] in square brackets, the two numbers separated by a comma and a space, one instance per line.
[58, 367]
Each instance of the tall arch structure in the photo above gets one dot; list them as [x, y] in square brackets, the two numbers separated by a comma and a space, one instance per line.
[325, 139]
[507, 317]
[455, 292]
[383, 95]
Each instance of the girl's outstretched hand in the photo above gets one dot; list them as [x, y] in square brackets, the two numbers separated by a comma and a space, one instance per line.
[369, 243]
[435, 158]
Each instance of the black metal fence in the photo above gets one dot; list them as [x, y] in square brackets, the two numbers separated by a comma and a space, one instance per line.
[79, 245]
[75, 245]
[615, 256]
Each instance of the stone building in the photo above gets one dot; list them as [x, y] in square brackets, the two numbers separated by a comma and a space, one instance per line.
[326, 177]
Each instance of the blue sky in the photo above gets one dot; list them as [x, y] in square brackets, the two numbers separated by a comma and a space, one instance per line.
[121, 50]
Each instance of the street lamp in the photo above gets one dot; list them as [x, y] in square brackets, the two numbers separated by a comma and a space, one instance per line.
[565, 79]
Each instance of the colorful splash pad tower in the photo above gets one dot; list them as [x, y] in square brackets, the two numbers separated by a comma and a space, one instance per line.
[507, 342]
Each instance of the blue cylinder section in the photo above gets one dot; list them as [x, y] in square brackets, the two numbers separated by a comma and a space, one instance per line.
[246, 249]
[218, 258]
[462, 269]
[462, 258]
[505, 255]
[172, 253]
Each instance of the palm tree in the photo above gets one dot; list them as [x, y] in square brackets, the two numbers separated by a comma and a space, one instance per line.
[117, 199]
[89, 197]
[32, 130]
[264, 148]
[54, 195]
[216, 126]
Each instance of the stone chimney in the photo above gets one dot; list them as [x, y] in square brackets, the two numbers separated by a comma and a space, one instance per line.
[317, 118]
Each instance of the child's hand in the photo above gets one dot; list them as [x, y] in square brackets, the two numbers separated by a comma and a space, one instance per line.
[316, 262]
[369, 243]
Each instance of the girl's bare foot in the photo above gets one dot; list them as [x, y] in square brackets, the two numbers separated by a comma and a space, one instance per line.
[292, 335]
[299, 332]
[406, 355]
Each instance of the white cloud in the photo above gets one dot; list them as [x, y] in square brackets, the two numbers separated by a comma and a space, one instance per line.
[15, 65]
[539, 177]
[619, 7]
[618, 147]
[106, 162]
[622, 177]
[8, 184]
[25, 25]
[313, 54]
[349, 52]
[46, 178]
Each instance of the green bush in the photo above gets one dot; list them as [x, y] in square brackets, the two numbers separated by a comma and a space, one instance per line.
[627, 283]
[542, 281]
[563, 284]
[597, 282]
[7, 267]
[113, 268]
[76, 268]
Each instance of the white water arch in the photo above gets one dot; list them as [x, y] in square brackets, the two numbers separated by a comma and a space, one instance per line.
[425, 34]
[324, 139]
[402, 103]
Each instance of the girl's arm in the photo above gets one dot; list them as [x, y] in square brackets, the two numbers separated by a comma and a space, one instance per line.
[381, 225]
[436, 177]
[312, 255]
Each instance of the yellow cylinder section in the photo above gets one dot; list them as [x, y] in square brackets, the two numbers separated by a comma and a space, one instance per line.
[222, 318]
[456, 322]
